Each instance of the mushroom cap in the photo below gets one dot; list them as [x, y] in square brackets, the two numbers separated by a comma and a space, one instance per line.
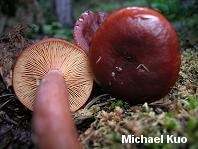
[134, 55]
[85, 27]
[52, 54]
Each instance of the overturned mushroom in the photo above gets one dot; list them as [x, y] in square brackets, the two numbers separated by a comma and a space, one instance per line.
[134, 55]
[52, 54]
[86, 26]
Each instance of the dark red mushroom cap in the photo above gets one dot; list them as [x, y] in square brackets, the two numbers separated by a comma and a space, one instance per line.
[86, 26]
[134, 55]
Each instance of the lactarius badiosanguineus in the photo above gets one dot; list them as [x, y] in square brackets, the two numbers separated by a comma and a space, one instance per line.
[53, 78]
[134, 55]
[52, 54]
[86, 26]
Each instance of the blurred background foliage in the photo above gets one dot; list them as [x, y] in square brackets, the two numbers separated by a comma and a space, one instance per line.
[183, 14]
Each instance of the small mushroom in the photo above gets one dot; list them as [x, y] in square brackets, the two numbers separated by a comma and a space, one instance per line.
[52, 123]
[134, 55]
[52, 54]
[86, 26]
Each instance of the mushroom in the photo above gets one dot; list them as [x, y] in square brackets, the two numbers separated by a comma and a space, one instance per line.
[86, 26]
[52, 54]
[52, 123]
[134, 55]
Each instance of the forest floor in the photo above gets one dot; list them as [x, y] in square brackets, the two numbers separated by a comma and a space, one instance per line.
[104, 119]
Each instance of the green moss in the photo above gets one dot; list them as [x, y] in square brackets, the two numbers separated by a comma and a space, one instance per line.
[120, 104]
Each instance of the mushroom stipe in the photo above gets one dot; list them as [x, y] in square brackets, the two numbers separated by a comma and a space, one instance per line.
[53, 54]
[53, 127]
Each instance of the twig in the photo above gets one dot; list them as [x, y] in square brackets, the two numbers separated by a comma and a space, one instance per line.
[6, 132]
[160, 105]
[21, 120]
[6, 95]
[94, 100]
[105, 103]
[143, 67]
[4, 103]
[7, 119]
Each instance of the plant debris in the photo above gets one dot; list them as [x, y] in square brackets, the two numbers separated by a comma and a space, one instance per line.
[11, 45]
[15, 128]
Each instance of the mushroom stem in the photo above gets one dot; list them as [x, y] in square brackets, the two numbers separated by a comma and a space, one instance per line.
[52, 121]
